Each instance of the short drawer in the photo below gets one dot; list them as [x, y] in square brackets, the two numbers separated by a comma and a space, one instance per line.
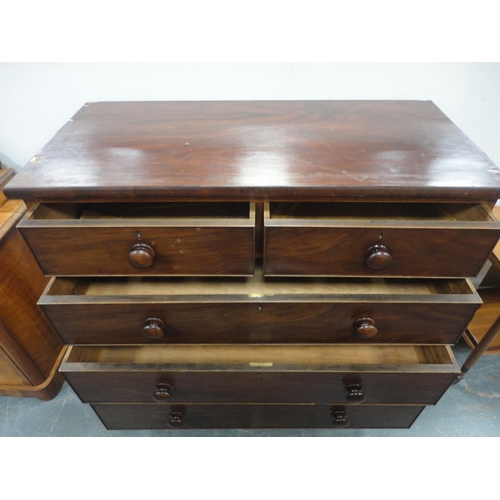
[251, 416]
[161, 239]
[261, 374]
[258, 310]
[378, 239]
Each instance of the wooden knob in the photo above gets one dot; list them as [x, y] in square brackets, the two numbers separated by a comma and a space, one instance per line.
[378, 257]
[355, 394]
[163, 392]
[175, 419]
[340, 419]
[141, 256]
[153, 328]
[365, 328]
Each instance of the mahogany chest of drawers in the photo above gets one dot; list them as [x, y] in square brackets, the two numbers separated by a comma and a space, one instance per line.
[272, 264]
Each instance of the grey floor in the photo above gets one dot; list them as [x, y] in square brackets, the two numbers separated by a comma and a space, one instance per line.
[470, 408]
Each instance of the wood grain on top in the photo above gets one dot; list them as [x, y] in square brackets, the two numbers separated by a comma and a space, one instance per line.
[257, 150]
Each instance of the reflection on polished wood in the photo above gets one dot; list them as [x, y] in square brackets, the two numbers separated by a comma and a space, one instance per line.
[280, 249]
[280, 150]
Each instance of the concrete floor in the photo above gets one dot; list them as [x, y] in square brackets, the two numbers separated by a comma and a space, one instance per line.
[470, 408]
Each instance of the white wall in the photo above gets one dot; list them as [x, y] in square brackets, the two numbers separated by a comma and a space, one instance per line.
[36, 99]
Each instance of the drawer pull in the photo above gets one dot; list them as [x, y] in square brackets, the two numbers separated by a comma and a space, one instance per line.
[153, 328]
[141, 256]
[175, 419]
[163, 392]
[340, 419]
[355, 393]
[365, 328]
[378, 257]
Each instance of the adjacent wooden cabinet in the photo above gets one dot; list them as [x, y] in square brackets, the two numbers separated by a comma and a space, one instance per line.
[259, 264]
[30, 349]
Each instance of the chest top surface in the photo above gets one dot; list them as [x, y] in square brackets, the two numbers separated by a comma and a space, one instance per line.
[258, 150]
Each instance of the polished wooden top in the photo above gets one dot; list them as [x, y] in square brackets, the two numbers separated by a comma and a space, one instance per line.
[256, 150]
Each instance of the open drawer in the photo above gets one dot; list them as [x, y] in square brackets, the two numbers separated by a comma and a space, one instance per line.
[378, 239]
[350, 374]
[161, 239]
[258, 310]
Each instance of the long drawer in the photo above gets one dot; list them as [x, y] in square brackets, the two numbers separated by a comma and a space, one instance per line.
[252, 416]
[161, 239]
[261, 374]
[258, 310]
[378, 239]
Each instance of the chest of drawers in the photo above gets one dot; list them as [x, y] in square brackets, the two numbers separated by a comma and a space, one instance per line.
[259, 264]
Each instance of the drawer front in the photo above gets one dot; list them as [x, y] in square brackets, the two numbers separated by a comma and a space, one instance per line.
[259, 323]
[115, 312]
[248, 416]
[141, 246]
[259, 387]
[330, 247]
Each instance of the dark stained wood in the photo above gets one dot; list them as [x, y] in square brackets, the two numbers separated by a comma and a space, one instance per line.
[179, 251]
[394, 189]
[340, 419]
[355, 393]
[403, 240]
[162, 392]
[255, 312]
[416, 252]
[261, 386]
[365, 328]
[107, 246]
[258, 150]
[378, 257]
[141, 256]
[262, 374]
[154, 328]
[251, 416]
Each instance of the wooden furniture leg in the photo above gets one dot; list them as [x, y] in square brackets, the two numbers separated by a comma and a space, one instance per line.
[484, 343]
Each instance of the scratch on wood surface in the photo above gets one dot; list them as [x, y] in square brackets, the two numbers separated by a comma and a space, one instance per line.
[359, 178]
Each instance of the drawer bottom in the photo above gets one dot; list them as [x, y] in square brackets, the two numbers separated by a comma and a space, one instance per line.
[254, 416]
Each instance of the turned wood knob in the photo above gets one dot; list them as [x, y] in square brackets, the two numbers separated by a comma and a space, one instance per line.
[365, 328]
[340, 419]
[175, 419]
[378, 257]
[163, 392]
[141, 256]
[355, 394]
[153, 328]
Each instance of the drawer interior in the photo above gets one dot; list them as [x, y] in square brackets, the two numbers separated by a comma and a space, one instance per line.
[243, 357]
[134, 211]
[258, 286]
[436, 212]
